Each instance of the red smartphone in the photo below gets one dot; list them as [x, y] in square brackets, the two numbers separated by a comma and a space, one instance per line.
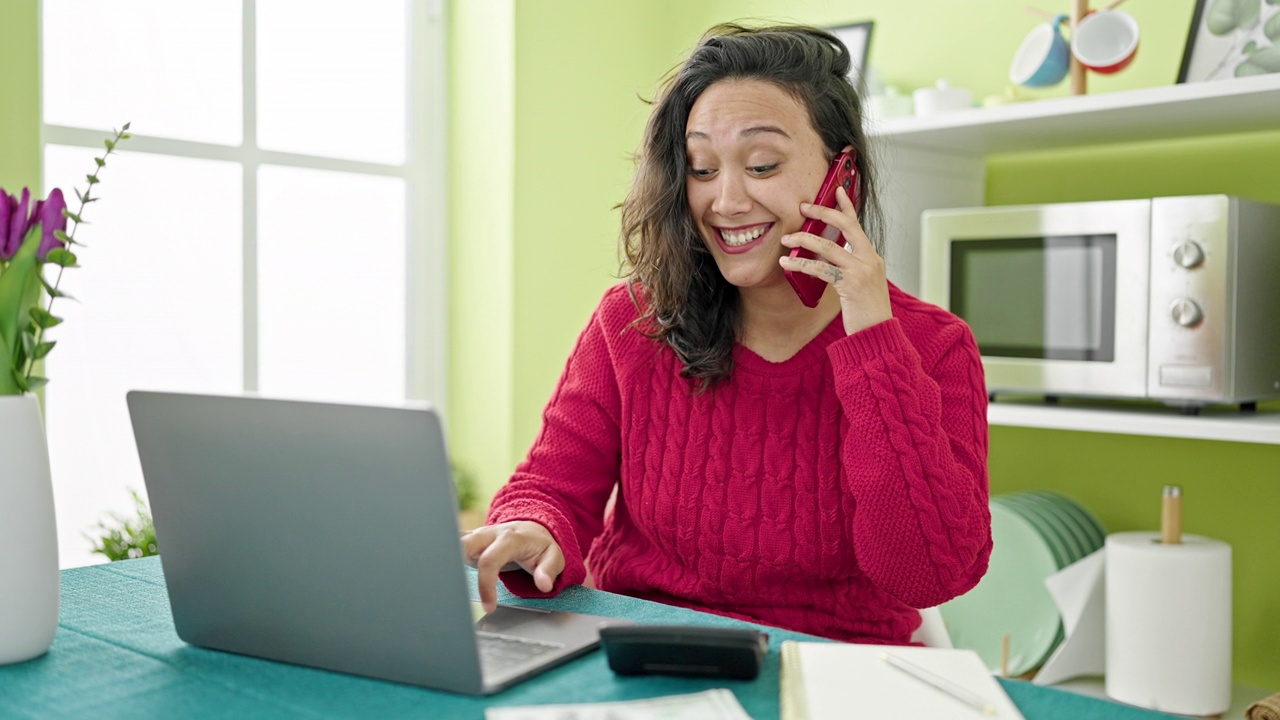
[843, 173]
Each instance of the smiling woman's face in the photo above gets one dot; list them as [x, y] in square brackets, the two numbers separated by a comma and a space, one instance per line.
[753, 158]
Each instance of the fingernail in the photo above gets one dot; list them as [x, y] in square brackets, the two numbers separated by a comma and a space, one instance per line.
[805, 205]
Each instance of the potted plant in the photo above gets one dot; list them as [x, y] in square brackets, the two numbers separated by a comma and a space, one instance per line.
[33, 239]
[127, 538]
[467, 491]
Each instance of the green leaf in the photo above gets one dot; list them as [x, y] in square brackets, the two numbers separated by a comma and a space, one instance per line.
[125, 136]
[19, 381]
[109, 143]
[126, 126]
[101, 162]
[64, 237]
[93, 179]
[43, 318]
[1262, 62]
[1249, 48]
[19, 293]
[1227, 15]
[35, 381]
[62, 257]
[9, 384]
[1272, 28]
[53, 291]
[66, 212]
[43, 349]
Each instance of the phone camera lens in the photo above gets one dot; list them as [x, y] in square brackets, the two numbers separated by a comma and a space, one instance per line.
[847, 183]
[848, 165]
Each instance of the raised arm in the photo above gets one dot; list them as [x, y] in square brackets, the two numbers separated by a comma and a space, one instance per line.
[915, 456]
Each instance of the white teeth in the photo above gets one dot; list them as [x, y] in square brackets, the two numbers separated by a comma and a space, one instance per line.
[736, 239]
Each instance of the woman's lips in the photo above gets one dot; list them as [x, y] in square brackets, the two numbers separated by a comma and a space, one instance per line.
[764, 229]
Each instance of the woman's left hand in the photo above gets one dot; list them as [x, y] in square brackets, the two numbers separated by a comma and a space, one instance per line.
[856, 273]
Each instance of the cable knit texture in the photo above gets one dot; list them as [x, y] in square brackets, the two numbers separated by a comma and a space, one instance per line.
[830, 494]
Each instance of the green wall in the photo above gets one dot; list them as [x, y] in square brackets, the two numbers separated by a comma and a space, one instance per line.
[578, 67]
[20, 93]
[545, 114]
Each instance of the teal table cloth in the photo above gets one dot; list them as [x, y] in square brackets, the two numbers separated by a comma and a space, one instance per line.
[116, 655]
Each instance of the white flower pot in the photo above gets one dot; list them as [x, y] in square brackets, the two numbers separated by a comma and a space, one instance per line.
[28, 534]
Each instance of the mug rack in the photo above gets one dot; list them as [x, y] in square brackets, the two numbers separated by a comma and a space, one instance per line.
[1078, 73]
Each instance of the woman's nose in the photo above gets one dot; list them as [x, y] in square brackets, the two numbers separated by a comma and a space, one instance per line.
[731, 198]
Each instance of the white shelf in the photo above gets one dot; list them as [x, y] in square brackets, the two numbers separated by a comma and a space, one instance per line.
[1225, 423]
[1189, 110]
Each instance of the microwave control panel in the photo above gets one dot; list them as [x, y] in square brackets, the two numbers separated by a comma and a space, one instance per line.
[1215, 299]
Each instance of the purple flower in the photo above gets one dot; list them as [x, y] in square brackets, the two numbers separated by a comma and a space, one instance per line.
[17, 217]
[49, 213]
[8, 205]
[15, 225]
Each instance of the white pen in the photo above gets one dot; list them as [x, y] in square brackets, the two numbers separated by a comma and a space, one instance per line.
[972, 699]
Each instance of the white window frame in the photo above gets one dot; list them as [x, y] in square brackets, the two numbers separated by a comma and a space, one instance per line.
[424, 171]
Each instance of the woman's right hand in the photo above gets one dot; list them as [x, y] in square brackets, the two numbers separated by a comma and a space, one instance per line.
[521, 544]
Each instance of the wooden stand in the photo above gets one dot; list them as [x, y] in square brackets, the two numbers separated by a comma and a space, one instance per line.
[1078, 73]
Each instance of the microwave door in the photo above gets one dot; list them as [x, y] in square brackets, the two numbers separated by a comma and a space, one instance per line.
[1056, 296]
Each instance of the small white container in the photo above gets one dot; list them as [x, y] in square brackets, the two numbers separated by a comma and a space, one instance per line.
[940, 99]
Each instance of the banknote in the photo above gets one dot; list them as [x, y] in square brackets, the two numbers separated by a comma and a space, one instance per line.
[717, 704]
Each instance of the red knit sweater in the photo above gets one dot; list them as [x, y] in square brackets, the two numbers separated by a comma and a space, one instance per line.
[830, 493]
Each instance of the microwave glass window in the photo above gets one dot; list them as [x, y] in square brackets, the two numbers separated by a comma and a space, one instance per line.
[1043, 297]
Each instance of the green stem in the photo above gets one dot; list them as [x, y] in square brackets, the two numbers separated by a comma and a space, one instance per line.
[75, 225]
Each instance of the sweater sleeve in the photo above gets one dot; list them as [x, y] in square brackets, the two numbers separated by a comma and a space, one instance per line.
[915, 458]
[565, 481]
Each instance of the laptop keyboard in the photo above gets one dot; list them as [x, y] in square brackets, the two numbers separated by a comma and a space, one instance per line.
[503, 652]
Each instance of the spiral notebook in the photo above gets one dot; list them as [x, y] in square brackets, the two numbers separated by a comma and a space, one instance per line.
[822, 681]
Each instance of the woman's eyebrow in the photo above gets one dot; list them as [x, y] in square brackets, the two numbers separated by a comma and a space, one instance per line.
[746, 132]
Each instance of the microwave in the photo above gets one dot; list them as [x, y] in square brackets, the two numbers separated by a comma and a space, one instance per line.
[1171, 299]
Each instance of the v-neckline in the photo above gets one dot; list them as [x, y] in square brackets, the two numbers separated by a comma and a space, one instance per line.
[747, 359]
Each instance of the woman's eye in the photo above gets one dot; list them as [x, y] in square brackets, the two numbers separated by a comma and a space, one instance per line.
[764, 169]
[700, 172]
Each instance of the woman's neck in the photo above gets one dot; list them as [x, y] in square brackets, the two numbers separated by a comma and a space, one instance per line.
[776, 325]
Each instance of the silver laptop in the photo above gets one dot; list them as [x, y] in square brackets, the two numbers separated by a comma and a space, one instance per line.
[326, 535]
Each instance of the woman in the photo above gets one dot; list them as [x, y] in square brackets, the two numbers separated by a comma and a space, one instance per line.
[821, 470]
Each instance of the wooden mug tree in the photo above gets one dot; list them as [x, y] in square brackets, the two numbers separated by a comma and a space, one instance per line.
[1078, 73]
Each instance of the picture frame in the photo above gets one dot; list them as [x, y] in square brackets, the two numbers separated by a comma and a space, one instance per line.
[1231, 38]
[857, 38]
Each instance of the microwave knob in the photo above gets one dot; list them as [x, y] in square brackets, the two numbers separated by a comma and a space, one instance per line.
[1188, 254]
[1186, 312]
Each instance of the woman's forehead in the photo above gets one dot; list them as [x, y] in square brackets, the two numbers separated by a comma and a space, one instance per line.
[742, 108]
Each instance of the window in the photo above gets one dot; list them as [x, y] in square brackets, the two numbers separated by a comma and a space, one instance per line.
[274, 225]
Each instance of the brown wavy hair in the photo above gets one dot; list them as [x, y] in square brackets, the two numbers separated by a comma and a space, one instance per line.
[688, 305]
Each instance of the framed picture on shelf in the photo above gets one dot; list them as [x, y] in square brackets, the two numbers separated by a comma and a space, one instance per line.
[1231, 38]
[857, 38]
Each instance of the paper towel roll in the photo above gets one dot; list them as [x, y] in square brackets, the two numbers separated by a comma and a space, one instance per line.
[1169, 623]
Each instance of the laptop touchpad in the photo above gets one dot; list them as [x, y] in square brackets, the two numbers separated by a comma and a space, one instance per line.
[505, 618]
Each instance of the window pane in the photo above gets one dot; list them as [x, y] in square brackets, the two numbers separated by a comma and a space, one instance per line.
[158, 306]
[331, 285]
[173, 69]
[331, 81]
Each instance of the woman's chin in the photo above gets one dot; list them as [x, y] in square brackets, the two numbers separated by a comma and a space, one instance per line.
[754, 278]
